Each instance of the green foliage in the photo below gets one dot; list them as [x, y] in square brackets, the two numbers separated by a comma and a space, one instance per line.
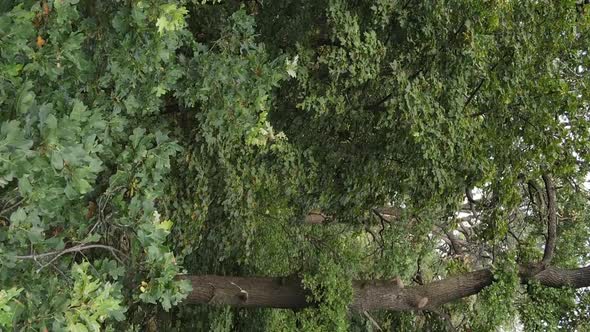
[7, 304]
[332, 290]
[73, 180]
[575, 319]
[545, 308]
[495, 306]
[91, 302]
[171, 19]
[162, 285]
[145, 139]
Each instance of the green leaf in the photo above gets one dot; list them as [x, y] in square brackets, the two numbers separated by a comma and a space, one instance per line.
[57, 160]
[36, 235]
[17, 217]
[165, 225]
[138, 134]
[25, 98]
[24, 186]
[77, 327]
[79, 112]
[81, 185]
[51, 121]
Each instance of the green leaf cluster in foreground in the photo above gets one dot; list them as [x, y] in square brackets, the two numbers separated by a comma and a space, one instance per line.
[143, 140]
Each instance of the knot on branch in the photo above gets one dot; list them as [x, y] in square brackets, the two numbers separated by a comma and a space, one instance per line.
[398, 282]
[243, 295]
[419, 302]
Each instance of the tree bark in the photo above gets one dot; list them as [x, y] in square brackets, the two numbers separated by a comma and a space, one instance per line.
[551, 219]
[288, 293]
[318, 217]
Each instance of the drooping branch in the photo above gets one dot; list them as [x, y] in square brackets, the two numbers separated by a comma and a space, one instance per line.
[551, 219]
[368, 295]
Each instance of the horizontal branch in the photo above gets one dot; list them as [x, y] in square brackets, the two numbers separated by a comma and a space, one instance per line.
[318, 217]
[288, 293]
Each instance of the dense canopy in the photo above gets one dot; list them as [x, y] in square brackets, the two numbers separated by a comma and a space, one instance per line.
[312, 165]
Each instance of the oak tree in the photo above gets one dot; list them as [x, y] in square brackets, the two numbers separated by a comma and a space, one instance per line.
[313, 165]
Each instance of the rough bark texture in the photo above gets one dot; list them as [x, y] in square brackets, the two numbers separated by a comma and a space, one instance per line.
[553, 277]
[247, 291]
[318, 217]
[551, 219]
[368, 295]
[372, 295]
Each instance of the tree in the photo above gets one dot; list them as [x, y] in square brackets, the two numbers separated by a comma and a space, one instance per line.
[370, 165]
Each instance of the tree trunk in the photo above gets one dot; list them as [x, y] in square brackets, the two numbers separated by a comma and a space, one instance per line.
[368, 295]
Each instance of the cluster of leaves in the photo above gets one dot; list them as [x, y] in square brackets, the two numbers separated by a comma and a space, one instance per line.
[545, 307]
[74, 184]
[331, 289]
[90, 303]
[495, 306]
[7, 304]
[161, 264]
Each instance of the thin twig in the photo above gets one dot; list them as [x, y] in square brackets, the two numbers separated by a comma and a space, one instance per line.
[473, 93]
[445, 317]
[373, 321]
[6, 209]
[77, 248]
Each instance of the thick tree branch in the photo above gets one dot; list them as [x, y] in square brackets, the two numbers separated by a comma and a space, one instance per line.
[385, 214]
[368, 295]
[551, 219]
[456, 244]
[535, 193]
